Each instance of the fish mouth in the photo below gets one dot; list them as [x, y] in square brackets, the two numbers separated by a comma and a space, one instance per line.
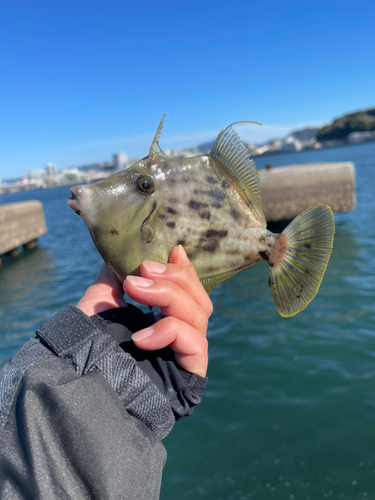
[75, 200]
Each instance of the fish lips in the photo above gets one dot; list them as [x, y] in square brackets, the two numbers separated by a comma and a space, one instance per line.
[75, 200]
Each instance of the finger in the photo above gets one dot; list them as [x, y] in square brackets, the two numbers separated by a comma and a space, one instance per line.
[178, 256]
[182, 275]
[106, 292]
[172, 299]
[190, 346]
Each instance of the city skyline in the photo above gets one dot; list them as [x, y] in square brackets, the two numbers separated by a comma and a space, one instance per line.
[85, 80]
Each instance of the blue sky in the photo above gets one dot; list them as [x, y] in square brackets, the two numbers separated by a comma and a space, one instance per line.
[81, 80]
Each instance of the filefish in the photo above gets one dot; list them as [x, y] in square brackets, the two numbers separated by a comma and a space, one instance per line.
[211, 205]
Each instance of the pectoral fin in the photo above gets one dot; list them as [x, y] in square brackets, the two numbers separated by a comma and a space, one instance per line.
[154, 223]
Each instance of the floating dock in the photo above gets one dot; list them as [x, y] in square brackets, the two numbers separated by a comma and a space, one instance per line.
[288, 191]
[21, 224]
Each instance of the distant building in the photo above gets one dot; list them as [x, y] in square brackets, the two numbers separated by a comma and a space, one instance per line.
[291, 144]
[51, 171]
[37, 175]
[183, 153]
[74, 174]
[120, 161]
[357, 137]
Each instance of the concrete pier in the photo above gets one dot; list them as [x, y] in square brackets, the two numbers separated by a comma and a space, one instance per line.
[288, 191]
[20, 224]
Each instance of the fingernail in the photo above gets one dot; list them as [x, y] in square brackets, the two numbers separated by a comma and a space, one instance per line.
[143, 334]
[182, 255]
[140, 282]
[154, 267]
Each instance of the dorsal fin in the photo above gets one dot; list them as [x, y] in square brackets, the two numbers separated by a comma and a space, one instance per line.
[233, 154]
[155, 149]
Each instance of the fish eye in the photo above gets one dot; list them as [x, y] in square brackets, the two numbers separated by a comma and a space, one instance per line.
[145, 184]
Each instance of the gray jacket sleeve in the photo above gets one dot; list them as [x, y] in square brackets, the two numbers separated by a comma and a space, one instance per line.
[80, 417]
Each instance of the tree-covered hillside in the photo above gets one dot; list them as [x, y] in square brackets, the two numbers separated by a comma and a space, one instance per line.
[339, 130]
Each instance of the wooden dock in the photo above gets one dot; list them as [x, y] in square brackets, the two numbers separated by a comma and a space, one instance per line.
[288, 191]
[21, 224]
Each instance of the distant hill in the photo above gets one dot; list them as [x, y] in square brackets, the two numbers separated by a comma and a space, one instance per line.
[206, 146]
[340, 128]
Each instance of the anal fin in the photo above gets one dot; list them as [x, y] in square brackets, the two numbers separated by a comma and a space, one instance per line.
[210, 283]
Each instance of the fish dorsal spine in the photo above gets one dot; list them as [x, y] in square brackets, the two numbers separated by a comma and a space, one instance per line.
[234, 155]
[155, 149]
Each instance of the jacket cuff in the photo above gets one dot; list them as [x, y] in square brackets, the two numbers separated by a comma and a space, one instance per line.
[72, 336]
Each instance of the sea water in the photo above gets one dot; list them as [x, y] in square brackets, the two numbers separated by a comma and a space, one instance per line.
[289, 409]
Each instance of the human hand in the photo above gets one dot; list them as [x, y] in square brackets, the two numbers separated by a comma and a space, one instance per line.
[176, 289]
[106, 292]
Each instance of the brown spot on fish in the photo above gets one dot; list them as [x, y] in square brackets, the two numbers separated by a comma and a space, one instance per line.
[171, 210]
[307, 245]
[162, 216]
[265, 255]
[224, 185]
[114, 231]
[218, 195]
[212, 180]
[216, 205]
[234, 251]
[171, 224]
[196, 205]
[211, 247]
[205, 215]
[212, 233]
[236, 215]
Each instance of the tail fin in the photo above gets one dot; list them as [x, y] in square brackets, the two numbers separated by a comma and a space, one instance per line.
[296, 280]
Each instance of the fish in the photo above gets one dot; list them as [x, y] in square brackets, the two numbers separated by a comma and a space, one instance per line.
[211, 205]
